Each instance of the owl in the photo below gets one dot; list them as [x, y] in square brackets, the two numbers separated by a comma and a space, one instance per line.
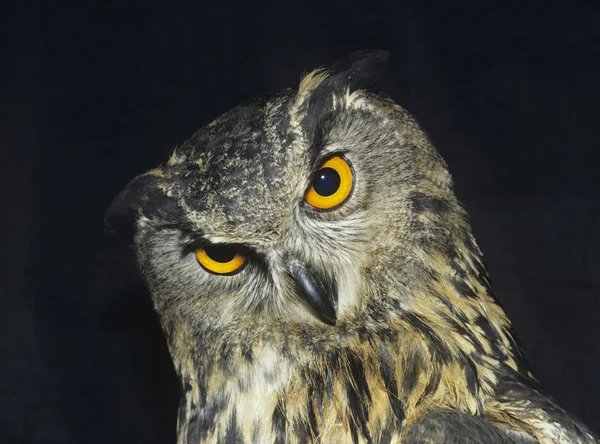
[317, 280]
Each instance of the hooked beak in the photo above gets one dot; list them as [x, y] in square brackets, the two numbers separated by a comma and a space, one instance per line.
[319, 291]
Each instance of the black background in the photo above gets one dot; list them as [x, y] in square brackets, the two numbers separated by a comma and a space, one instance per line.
[94, 93]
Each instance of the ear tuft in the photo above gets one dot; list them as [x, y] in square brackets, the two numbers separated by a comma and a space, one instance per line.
[124, 209]
[359, 70]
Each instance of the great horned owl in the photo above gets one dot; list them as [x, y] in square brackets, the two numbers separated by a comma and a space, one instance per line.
[317, 280]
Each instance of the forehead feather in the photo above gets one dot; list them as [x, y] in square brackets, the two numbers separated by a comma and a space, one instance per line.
[240, 167]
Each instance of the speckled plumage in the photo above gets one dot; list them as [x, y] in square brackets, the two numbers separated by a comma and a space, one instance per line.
[421, 350]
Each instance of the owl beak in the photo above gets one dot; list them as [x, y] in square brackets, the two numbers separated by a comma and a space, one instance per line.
[319, 291]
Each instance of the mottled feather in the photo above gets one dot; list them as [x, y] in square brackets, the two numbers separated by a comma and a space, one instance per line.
[420, 352]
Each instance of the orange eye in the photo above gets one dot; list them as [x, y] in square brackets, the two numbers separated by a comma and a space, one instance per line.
[331, 185]
[220, 259]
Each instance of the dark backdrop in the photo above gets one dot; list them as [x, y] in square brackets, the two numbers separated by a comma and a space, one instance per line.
[93, 94]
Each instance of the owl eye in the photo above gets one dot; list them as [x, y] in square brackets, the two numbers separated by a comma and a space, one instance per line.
[220, 259]
[331, 185]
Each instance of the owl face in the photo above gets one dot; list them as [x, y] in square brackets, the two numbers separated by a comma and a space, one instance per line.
[287, 209]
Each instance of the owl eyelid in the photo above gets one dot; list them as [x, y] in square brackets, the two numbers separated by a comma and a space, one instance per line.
[324, 157]
[202, 243]
[195, 242]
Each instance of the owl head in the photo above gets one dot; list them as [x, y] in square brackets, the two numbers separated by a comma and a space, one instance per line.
[285, 208]
[312, 236]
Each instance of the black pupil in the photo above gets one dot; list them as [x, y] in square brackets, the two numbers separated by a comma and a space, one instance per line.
[220, 253]
[326, 182]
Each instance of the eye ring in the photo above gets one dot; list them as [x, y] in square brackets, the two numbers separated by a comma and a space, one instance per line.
[331, 185]
[220, 259]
